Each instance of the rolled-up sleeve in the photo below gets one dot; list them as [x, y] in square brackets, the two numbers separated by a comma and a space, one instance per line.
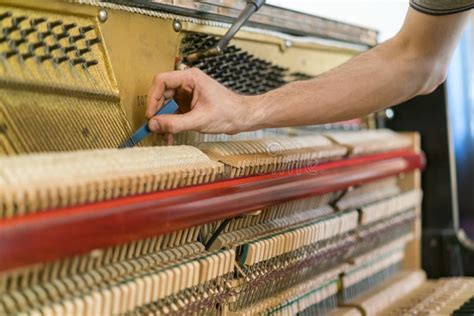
[441, 7]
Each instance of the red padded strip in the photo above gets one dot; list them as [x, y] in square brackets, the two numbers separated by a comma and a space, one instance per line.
[59, 233]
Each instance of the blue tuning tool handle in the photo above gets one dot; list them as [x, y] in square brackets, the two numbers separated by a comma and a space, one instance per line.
[170, 107]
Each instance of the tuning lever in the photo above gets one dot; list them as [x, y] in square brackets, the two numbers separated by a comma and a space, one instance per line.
[251, 7]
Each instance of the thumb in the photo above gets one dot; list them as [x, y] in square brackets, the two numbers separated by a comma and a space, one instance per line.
[172, 123]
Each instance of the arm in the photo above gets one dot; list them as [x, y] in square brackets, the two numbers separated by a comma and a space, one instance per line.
[413, 62]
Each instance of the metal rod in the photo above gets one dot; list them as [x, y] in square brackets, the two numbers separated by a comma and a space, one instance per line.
[250, 9]
[218, 231]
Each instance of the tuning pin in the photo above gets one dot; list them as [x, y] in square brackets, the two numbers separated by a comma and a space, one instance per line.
[25, 33]
[10, 53]
[75, 38]
[61, 59]
[61, 35]
[52, 25]
[90, 63]
[9, 30]
[43, 58]
[17, 20]
[36, 45]
[69, 49]
[93, 41]
[5, 15]
[83, 51]
[38, 21]
[78, 61]
[19, 41]
[43, 35]
[85, 29]
[27, 55]
[53, 47]
[69, 26]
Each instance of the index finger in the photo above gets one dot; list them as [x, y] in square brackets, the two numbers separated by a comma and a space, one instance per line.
[164, 82]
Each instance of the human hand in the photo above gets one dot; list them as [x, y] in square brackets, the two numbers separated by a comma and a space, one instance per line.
[205, 105]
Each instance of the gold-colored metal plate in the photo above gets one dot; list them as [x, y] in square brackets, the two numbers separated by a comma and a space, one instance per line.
[308, 55]
[139, 47]
[133, 48]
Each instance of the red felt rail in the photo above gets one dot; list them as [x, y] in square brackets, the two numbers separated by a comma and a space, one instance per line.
[59, 233]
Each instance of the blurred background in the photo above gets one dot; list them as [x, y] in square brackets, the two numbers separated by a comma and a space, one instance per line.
[386, 16]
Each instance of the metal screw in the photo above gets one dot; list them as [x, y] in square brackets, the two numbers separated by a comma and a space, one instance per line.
[177, 26]
[288, 44]
[389, 114]
[103, 15]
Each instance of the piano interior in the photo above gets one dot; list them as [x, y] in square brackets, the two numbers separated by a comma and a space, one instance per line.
[316, 220]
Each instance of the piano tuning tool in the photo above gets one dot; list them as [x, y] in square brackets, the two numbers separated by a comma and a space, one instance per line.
[74, 76]
[251, 7]
[170, 107]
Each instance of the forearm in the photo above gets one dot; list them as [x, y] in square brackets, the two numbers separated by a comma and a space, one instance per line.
[414, 62]
[381, 77]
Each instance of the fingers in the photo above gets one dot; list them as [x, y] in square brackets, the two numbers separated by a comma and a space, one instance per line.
[168, 139]
[173, 123]
[164, 86]
[168, 94]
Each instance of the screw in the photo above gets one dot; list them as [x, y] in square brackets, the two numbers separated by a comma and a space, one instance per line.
[177, 27]
[103, 15]
[288, 44]
[389, 114]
